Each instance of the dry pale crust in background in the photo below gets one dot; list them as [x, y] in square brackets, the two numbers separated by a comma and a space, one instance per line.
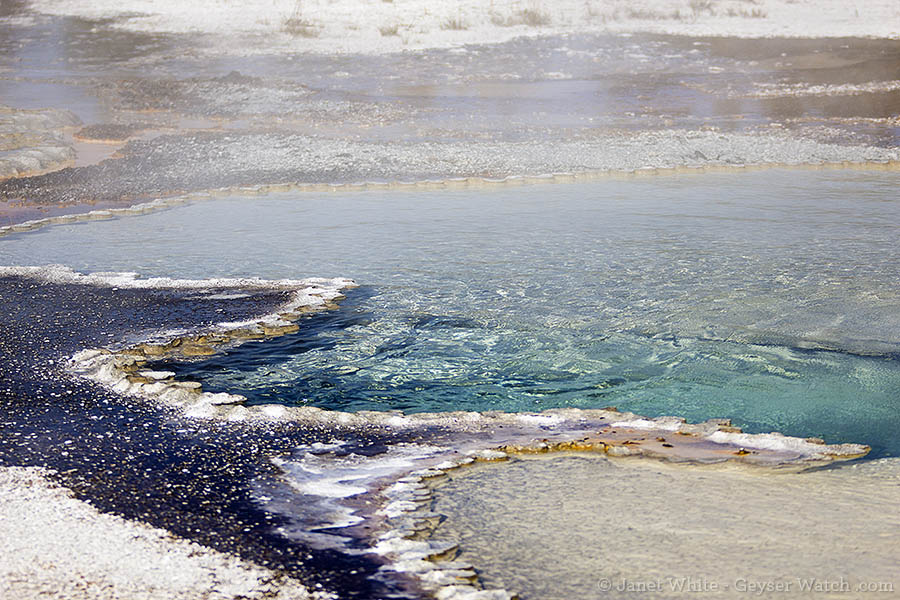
[396, 25]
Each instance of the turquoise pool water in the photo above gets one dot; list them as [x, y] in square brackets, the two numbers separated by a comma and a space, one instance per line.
[768, 297]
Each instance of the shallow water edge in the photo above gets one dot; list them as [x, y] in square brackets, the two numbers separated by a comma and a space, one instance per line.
[82, 213]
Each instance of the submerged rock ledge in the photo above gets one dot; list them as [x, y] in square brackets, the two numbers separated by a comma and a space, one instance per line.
[620, 434]
[125, 371]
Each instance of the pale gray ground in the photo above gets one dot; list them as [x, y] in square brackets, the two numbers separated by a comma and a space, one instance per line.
[640, 529]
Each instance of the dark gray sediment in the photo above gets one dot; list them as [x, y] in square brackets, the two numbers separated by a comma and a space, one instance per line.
[127, 458]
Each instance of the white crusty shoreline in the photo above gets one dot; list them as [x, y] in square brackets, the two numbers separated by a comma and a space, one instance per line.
[310, 291]
[54, 545]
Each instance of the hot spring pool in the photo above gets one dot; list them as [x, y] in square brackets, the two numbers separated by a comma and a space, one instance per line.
[767, 297]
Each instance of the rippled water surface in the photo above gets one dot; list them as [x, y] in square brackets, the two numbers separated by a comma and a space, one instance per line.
[767, 297]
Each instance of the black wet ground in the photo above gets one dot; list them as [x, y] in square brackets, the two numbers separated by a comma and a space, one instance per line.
[124, 456]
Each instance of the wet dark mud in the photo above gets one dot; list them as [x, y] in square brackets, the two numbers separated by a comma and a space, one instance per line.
[108, 132]
[128, 458]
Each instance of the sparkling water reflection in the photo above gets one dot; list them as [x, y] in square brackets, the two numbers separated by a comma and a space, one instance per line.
[766, 297]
